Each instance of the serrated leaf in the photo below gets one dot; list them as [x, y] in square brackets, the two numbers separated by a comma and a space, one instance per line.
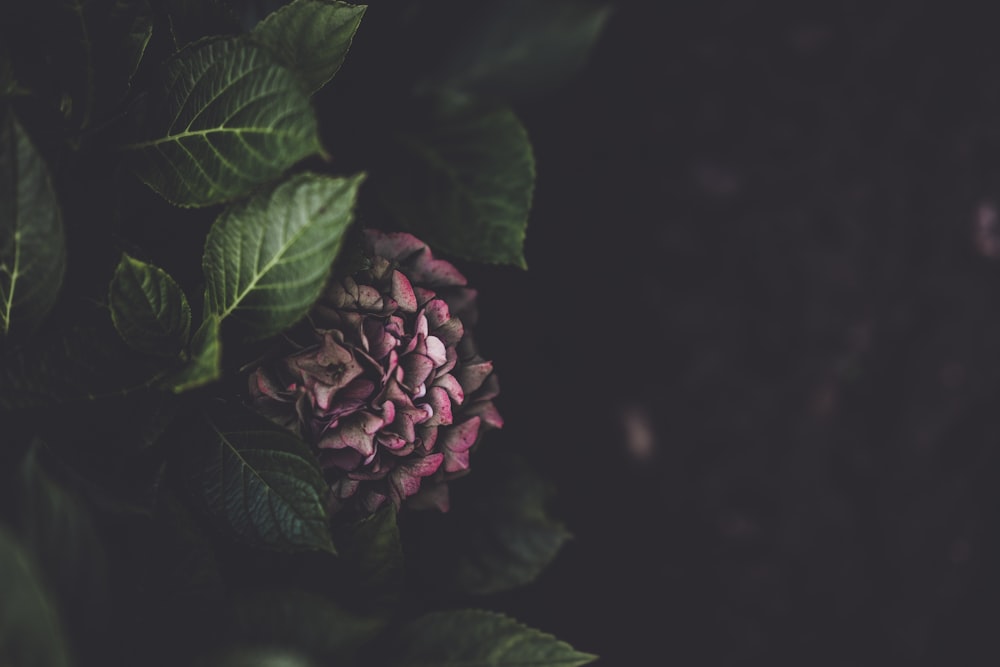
[31, 632]
[148, 308]
[267, 258]
[464, 184]
[519, 48]
[474, 638]
[204, 364]
[232, 118]
[263, 483]
[32, 240]
[499, 534]
[312, 37]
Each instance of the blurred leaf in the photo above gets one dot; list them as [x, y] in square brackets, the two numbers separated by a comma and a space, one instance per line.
[32, 240]
[232, 118]
[306, 621]
[205, 362]
[256, 657]
[311, 37]
[55, 526]
[464, 184]
[31, 633]
[267, 258]
[498, 534]
[371, 558]
[518, 48]
[262, 482]
[470, 638]
[148, 308]
[80, 55]
[81, 362]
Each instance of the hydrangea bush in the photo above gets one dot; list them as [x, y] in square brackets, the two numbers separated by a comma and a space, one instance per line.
[245, 416]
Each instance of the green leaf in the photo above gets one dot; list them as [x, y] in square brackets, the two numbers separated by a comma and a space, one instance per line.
[256, 657]
[474, 638]
[464, 184]
[267, 258]
[32, 240]
[232, 118]
[31, 633]
[55, 526]
[371, 559]
[204, 364]
[148, 308]
[498, 536]
[306, 620]
[82, 362]
[312, 37]
[263, 483]
[519, 48]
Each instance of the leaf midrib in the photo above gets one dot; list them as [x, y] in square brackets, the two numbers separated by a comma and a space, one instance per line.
[270, 264]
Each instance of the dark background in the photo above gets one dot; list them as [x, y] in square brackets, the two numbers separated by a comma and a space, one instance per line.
[755, 239]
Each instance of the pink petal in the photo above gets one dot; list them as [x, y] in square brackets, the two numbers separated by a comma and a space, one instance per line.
[472, 376]
[440, 402]
[402, 292]
[436, 351]
[455, 442]
[451, 385]
[487, 412]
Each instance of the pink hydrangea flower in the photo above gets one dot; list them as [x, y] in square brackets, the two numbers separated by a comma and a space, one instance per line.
[390, 390]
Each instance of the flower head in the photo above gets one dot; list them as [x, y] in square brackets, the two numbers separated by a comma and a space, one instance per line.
[389, 388]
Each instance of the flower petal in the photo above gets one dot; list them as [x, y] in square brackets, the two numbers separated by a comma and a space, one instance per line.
[454, 443]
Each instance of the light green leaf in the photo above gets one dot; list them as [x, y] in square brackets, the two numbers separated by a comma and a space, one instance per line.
[263, 483]
[518, 48]
[474, 638]
[148, 308]
[32, 240]
[312, 37]
[464, 184]
[256, 657]
[267, 258]
[31, 633]
[232, 118]
[204, 364]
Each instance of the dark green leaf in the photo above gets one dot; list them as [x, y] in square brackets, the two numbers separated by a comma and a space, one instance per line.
[256, 657]
[464, 184]
[310, 622]
[498, 535]
[523, 47]
[32, 241]
[263, 483]
[232, 118]
[83, 362]
[371, 558]
[312, 37]
[31, 633]
[473, 638]
[148, 308]
[55, 526]
[267, 258]
[204, 364]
